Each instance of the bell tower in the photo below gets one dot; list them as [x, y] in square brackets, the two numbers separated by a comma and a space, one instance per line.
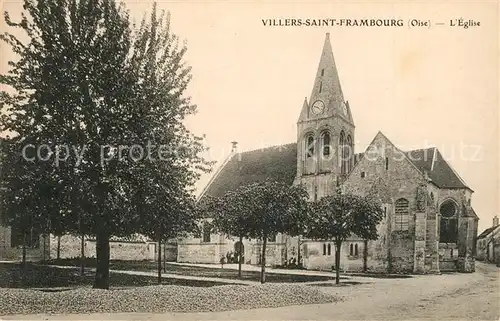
[325, 131]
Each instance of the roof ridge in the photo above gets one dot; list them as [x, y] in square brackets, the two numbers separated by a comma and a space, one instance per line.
[265, 148]
[453, 170]
[396, 148]
[418, 149]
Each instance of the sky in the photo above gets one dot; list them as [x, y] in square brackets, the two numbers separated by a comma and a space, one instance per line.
[421, 87]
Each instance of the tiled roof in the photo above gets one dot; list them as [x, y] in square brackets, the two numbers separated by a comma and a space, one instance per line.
[276, 163]
[487, 231]
[279, 163]
[440, 172]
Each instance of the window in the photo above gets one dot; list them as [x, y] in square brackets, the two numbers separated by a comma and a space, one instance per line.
[322, 72]
[351, 249]
[386, 163]
[329, 249]
[362, 174]
[448, 229]
[320, 86]
[356, 249]
[310, 146]
[17, 238]
[206, 233]
[385, 211]
[401, 215]
[326, 143]
[324, 249]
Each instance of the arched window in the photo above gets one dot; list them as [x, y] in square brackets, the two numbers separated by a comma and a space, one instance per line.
[342, 152]
[309, 146]
[448, 229]
[356, 249]
[401, 213]
[329, 249]
[325, 143]
[324, 249]
[351, 249]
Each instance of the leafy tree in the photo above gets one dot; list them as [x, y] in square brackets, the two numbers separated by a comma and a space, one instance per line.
[86, 81]
[271, 208]
[231, 216]
[163, 197]
[338, 216]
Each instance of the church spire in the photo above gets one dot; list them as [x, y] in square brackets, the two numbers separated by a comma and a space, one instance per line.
[327, 84]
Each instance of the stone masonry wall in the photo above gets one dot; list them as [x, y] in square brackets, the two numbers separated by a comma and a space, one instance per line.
[395, 250]
[70, 247]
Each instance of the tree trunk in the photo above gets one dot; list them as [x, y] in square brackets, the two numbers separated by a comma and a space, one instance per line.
[24, 265]
[159, 260]
[58, 255]
[44, 248]
[240, 258]
[298, 252]
[338, 245]
[102, 252]
[263, 261]
[165, 257]
[82, 256]
[365, 256]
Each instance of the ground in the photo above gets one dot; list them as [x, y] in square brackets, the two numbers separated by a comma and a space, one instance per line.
[455, 296]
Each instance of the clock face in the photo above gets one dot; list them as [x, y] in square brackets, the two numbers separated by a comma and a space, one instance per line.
[344, 108]
[318, 107]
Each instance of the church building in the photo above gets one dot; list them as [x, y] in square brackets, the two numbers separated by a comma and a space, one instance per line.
[428, 226]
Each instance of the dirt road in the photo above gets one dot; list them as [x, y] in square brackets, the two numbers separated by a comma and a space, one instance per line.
[474, 296]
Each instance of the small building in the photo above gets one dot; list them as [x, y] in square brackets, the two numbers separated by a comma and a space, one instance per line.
[488, 244]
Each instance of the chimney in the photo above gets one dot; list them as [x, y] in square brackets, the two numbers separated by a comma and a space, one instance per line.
[495, 220]
[234, 148]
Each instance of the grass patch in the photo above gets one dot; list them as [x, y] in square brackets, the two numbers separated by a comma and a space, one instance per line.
[199, 271]
[46, 276]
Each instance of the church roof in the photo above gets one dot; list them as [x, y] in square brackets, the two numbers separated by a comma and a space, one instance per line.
[279, 163]
[276, 163]
[431, 161]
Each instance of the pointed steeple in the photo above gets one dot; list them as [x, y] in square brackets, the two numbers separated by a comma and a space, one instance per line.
[327, 84]
[327, 99]
[304, 113]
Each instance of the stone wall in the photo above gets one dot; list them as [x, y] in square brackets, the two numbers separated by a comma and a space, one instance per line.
[315, 259]
[394, 250]
[481, 249]
[70, 247]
